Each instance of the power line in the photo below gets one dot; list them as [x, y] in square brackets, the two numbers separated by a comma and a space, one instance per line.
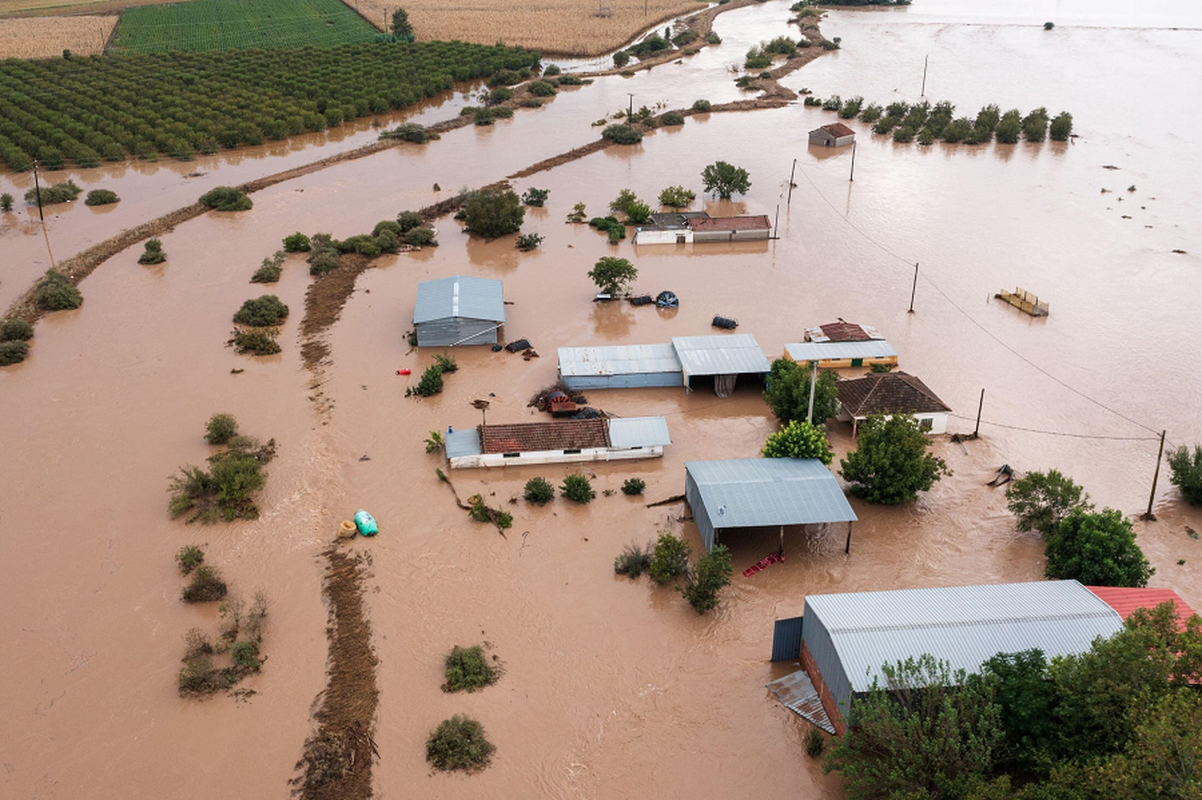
[1061, 433]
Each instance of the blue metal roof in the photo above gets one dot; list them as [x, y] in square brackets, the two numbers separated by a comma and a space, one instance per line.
[822, 351]
[638, 432]
[459, 296]
[755, 492]
[733, 354]
[464, 442]
[626, 359]
[962, 625]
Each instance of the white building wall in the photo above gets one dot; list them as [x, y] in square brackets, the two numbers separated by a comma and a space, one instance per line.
[555, 457]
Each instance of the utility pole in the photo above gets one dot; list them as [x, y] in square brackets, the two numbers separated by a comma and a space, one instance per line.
[630, 113]
[925, 61]
[1149, 515]
[914, 289]
[792, 172]
[38, 188]
[852, 176]
[977, 430]
[813, 387]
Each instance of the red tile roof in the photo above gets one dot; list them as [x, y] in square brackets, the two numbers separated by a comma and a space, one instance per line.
[888, 393]
[574, 434]
[713, 224]
[838, 129]
[844, 332]
[1125, 601]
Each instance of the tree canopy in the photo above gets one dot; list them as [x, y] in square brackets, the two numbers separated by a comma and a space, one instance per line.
[891, 465]
[493, 212]
[1098, 549]
[1187, 473]
[1040, 500]
[725, 179]
[401, 28]
[799, 439]
[613, 275]
[788, 392]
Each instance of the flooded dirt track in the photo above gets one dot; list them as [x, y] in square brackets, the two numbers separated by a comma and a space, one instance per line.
[611, 687]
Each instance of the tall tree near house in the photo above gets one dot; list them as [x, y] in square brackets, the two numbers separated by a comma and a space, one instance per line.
[725, 179]
[891, 464]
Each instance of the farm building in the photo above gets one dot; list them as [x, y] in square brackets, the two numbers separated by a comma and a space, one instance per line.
[458, 310]
[763, 493]
[697, 226]
[842, 332]
[842, 640]
[891, 393]
[617, 439]
[835, 355]
[834, 135]
[722, 357]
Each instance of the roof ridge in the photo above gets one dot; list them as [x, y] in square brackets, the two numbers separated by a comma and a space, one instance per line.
[964, 623]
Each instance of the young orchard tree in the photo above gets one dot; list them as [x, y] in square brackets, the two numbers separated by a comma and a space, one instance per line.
[725, 179]
[613, 275]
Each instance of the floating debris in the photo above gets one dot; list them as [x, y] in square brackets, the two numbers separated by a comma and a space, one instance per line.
[1024, 301]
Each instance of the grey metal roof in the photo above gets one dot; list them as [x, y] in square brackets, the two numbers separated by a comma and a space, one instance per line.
[734, 354]
[962, 625]
[821, 351]
[459, 296]
[618, 360]
[638, 432]
[755, 492]
[463, 442]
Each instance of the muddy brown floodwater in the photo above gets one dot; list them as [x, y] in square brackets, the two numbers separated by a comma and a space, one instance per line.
[611, 688]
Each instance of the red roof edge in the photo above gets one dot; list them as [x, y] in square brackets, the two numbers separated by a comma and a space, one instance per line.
[1125, 601]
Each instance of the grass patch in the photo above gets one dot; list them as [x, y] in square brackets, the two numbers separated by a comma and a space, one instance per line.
[468, 669]
[459, 743]
[634, 560]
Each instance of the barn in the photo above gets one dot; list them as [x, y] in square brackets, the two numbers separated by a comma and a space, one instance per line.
[458, 310]
[627, 366]
[834, 135]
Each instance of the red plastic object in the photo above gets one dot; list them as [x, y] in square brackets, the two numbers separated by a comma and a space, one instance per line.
[402, 372]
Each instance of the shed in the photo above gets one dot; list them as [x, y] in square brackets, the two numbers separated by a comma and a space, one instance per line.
[834, 135]
[846, 638]
[834, 355]
[458, 310]
[725, 357]
[761, 493]
[619, 367]
[891, 393]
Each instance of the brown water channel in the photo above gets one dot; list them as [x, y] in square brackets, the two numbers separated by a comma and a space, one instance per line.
[612, 688]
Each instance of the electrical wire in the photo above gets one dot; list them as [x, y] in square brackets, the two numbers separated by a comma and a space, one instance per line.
[1061, 433]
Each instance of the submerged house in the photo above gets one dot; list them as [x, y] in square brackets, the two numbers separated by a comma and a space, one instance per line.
[558, 442]
[458, 310]
[890, 393]
[688, 227]
[834, 135]
[836, 355]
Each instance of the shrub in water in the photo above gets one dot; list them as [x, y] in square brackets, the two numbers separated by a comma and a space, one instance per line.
[673, 118]
[408, 220]
[468, 669]
[552, 69]
[621, 133]
[407, 132]
[15, 329]
[154, 253]
[262, 312]
[271, 268]
[206, 585]
[259, 342]
[535, 197]
[528, 241]
[101, 197]
[189, 558]
[815, 744]
[430, 383]
[226, 198]
[670, 559]
[50, 195]
[420, 237]
[539, 491]
[296, 243]
[633, 561]
[708, 576]
[498, 95]
[459, 743]
[6, 202]
[13, 352]
[633, 486]
[541, 89]
[1186, 467]
[713, 38]
[55, 292]
[246, 656]
[577, 487]
[221, 428]
[493, 212]
[621, 58]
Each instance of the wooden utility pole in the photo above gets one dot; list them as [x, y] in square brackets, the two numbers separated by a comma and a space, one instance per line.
[852, 176]
[1155, 476]
[38, 189]
[925, 61]
[977, 430]
[792, 172]
[630, 112]
[914, 290]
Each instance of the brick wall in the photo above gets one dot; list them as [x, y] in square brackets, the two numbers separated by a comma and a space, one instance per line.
[828, 702]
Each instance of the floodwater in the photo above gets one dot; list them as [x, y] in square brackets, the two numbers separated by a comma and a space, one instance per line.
[612, 688]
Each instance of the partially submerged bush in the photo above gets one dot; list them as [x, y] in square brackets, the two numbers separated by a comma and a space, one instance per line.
[673, 118]
[670, 559]
[535, 197]
[621, 58]
[459, 743]
[255, 342]
[221, 428]
[706, 578]
[1186, 470]
[55, 292]
[622, 133]
[634, 560]
[633, 487]
[541, 89]
[262, 312]
[222, 492]
[206, 585]
[15, 329]
[493, 212]
[702, 105]
[189, 558]
[272, 268]
[51, 195]
[528, 241]
[323, 256]
[468, 669]
[154, 253]
[101, 197]
[226, 198]
[296, 243]
[408, 220]
[577, 487]
[6, 202]
[407, 132]
[676, 197]
[539, 491]
[13, 351]
[420, 236]
[1039, 500]
[814, 743]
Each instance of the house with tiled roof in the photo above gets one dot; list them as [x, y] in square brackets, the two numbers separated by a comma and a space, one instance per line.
[890, 393]
[834, 135]
[557, 442]
[697, 226]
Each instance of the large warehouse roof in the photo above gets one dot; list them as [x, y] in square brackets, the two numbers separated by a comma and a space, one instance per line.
[458, 296]
[756, 492]
[628, 359]
[961, 625]
[736, 354]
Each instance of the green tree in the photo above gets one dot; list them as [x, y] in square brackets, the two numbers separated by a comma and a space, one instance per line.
[799, 439]
[710, 575]
[1097, 549]
[725, 179]
[788, 392]
[622, 133]
[1164, 758]
[493, 212]
[670, 559]
[891, 465]
[1026, 698]
[613, 275]
[639, 212]
[1040, 500]
[623, 201]
[6, 202]
[676, 197]
[401, 28]
[1062, 127]
[926, 733]
[1186, 472]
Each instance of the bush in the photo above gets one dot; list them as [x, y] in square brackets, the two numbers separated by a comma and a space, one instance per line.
[676, 197]
[420, 237]
[528, 241]
[189, 558]
[206, 585]
[323, 256]
[245, 656]
[621, 58]
[638, 212]
[13, 351]
[226, 198]
[851, 108]
[539, 491]
[633, 561]
[541, 89]
[633, 487]
[498, 95]
[483, 116]
[272, 268]
[1047, 26]
[615, 229]
[577, 488]
[1035, 125]
[670, 559]
[613, 275]
[1187, 473]
[1040, 500]
[622, 133]
[1062, 127]
[535, 197]
[430, 383]
[459, 743]
[55, 292]
[552, 69]
[1097, 549]
[799, 439]
[6, 202]
[757, 58]
[101, 197]
[713, 38]
[15, 329]
[297, 243]
[710, 575]
[493, 212]
[467, 669]
[224, 491]
[154, 253]
[51, 195]
[672, 118]
[815, 744]
[871, 113]
[408, 132]
[505, 77]
[262, 312]
[891, 465]
[221, 428]
[1008, 128]
[258, 342]
[702, 106]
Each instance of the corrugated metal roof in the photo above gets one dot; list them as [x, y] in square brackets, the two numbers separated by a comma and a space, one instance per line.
[1125, 600]
[735, 354]
[459, 296]
[962, 625]
[796, 692]
[464, 442]
[822, 351]
[755, 492]
[638, 432]
[618, 360]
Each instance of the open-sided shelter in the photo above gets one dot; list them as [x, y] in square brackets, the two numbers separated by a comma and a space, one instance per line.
[457, 311]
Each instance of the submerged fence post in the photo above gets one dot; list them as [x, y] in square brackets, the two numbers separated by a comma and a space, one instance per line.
[1155, 476]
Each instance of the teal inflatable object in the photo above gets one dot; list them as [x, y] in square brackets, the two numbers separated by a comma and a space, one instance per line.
[366, 523]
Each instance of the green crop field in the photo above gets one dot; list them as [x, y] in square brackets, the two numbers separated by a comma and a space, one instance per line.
[239, 24]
